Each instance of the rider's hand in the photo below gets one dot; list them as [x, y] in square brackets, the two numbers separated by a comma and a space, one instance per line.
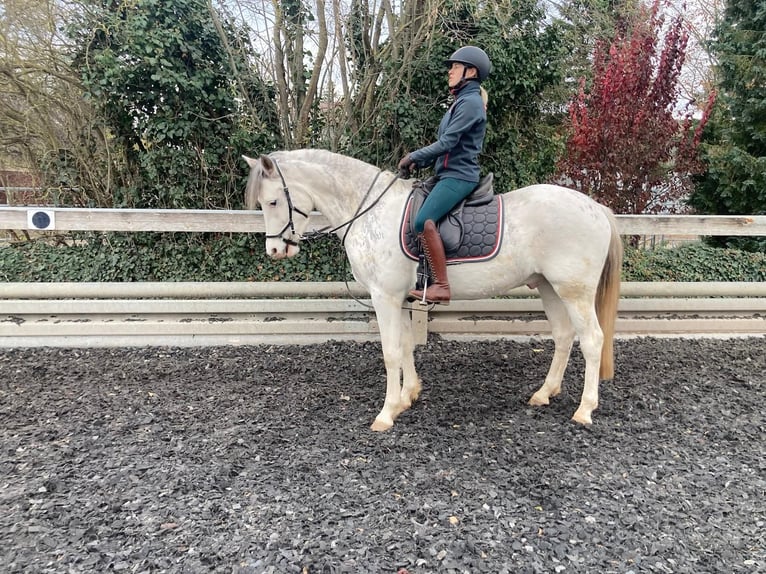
[406, 165]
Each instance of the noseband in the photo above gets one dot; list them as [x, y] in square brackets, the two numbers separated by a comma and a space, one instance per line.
[291, 208]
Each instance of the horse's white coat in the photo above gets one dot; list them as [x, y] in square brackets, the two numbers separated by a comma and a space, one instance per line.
[555, 239]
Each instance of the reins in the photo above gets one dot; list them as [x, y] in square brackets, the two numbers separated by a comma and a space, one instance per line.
[327, 230]
[359, 212]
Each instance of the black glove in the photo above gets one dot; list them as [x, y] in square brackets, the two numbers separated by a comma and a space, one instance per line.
[406, 165]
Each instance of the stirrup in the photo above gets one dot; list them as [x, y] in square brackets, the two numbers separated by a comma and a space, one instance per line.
[422, 298]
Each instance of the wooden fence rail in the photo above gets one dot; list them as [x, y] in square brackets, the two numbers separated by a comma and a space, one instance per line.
[130, 314]
[242, 221]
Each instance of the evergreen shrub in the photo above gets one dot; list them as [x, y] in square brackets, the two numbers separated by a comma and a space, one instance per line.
[241, 257]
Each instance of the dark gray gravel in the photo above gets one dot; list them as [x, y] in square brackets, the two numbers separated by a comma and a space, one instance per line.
[259, 459]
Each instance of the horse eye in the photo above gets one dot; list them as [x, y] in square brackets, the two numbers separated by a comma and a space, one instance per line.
[273, 203]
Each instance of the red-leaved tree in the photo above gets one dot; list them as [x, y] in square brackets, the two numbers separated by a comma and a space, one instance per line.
[629, 147]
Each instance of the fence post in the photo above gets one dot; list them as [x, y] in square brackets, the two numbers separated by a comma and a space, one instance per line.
[419, 318]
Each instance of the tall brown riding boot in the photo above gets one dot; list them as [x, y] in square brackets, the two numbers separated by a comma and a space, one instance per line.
[437, 291]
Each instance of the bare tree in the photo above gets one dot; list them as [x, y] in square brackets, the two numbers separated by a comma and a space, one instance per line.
[311, 93]
[701, 15]
[46, 125]
[335, 53]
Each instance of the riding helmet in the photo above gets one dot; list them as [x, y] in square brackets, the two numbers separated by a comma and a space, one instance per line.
[472, 56]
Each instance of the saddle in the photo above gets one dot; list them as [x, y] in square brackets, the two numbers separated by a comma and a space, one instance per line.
[471, 231]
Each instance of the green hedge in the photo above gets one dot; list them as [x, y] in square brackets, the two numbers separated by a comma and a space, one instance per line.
[241, 257]
[693, 262]
[169, 257]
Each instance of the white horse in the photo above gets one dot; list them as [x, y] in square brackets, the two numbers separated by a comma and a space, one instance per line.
[554, 239]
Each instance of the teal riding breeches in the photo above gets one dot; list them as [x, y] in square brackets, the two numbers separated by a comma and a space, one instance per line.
[445, 195]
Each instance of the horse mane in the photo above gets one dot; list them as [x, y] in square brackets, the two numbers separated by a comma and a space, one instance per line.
[329, 162]
[333, 162]
[254, 180]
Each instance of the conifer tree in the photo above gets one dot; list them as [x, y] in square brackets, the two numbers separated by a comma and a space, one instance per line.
[734, 142]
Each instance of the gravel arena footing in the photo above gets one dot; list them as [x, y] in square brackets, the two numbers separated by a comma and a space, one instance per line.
[259, 459]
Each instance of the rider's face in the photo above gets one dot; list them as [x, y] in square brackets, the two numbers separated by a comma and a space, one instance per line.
[456, 71]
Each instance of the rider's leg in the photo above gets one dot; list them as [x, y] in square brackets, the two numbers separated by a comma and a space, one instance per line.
[445, 195]
[438, 290]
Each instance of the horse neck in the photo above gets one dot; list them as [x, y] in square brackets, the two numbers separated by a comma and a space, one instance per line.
[337, 184]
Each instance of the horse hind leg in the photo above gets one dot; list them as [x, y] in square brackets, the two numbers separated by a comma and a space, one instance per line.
[563, 334]
[580, 304]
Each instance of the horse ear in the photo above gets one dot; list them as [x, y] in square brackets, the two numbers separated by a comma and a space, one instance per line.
[263, 162]
[268, 166]
[250, 161]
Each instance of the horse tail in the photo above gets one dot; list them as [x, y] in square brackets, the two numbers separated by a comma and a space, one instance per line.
[608, 297]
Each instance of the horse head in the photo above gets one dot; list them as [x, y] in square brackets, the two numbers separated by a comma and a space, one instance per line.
[285, 212]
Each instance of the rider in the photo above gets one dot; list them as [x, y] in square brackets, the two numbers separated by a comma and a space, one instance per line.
[454, 156]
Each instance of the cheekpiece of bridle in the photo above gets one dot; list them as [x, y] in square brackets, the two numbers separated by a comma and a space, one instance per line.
[291, 208]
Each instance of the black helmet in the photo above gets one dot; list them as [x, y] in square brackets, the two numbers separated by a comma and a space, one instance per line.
[473, 56]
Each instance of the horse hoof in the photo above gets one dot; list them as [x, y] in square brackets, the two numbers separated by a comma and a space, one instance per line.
[380, 426]
[537, 400]
[582, 419]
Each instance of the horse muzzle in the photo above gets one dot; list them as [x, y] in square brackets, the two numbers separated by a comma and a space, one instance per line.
[280, 248]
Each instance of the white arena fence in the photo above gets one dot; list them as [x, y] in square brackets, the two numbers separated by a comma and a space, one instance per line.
[190, 313]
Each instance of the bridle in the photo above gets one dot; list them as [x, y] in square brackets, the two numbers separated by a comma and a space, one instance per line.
[325, 230]
[291, 208]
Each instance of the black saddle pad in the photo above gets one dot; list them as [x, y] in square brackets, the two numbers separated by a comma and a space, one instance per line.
[470, 233]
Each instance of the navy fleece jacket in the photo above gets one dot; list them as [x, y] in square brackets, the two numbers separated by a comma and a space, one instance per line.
[461, 135]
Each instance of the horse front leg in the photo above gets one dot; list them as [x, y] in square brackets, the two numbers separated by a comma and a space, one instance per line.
[411, 384]
[395, 350]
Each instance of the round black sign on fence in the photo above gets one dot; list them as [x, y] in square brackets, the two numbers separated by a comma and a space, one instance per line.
[41, 219]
